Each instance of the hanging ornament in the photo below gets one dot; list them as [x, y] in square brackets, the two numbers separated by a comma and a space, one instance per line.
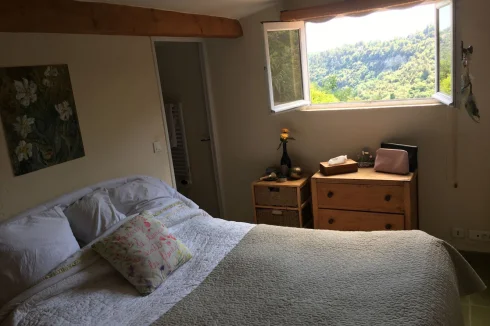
[468, 99]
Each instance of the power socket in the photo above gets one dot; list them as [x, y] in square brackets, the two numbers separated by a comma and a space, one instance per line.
[157, 147]
[457, 232]
[479, 235]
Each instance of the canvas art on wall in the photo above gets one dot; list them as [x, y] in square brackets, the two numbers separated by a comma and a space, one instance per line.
[39, 117]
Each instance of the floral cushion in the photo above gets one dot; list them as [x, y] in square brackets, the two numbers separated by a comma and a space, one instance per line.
[144, 252]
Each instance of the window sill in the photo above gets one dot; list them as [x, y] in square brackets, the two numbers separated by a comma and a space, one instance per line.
[372, 105]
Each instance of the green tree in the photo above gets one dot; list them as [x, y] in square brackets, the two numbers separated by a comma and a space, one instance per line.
[402, 68]
[344, 94]
[329, 83]
[319, 96]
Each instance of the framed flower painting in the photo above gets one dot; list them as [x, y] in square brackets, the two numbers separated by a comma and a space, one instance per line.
[39, 117]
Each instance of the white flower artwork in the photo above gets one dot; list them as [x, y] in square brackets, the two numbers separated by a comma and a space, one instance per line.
[47, 82]
[64, 109]
[23, 126]
[23, 151]
[51, 72]
[26, 91]
[39, 117]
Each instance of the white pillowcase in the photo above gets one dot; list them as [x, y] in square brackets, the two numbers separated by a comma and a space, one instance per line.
[92, 215]
[137, 196]
[30, 247]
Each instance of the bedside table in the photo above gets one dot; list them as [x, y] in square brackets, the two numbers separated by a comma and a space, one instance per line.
[365, 201]
[283, 203]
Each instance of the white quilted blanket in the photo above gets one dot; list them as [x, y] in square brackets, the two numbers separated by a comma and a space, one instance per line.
[91, 292]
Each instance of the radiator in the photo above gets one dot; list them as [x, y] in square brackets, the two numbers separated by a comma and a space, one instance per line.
[178, 143]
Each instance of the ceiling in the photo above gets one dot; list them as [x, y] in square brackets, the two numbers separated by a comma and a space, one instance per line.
[221, 8]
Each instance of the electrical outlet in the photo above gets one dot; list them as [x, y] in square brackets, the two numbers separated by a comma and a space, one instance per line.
[457, 232]
[479, 235]
[157, 147]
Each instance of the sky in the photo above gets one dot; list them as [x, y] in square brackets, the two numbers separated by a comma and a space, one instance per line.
[384, 25]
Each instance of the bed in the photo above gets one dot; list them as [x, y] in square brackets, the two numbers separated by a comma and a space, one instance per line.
[243, 274]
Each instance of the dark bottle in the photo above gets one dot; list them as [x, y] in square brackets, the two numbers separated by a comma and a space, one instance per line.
[285, 160]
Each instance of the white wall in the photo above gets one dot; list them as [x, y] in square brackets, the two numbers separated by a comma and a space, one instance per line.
[179, 64]
[118, 106]
[249, 133]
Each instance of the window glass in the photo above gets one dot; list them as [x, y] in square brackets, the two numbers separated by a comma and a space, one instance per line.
[285, 65]
[445, 46]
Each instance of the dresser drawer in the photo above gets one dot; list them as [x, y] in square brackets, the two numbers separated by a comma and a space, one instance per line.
[373, 198]
[276, 196]
[277, 217]
[329, 219]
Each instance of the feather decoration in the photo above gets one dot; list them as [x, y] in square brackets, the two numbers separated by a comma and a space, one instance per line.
[469, 98]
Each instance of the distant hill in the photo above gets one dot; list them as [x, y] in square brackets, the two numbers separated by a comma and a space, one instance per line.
[402, 68]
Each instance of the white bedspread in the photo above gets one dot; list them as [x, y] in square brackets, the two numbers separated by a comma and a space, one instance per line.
[92, 292]
[87, 290]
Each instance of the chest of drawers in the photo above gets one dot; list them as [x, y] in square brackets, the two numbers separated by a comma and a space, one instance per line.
[365, 201]
[283, 203]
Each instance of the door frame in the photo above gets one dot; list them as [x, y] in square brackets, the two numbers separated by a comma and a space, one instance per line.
[210, 111]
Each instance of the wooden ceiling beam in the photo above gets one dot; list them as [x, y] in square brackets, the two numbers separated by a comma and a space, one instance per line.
[72, 17]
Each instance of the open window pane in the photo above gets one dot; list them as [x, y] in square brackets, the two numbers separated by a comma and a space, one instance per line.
[445, 68]
[285, 63]
[445, 40]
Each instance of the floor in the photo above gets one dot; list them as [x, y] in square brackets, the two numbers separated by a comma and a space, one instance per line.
[476, 307]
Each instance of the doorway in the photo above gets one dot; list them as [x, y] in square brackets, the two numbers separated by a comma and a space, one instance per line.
[187, 112]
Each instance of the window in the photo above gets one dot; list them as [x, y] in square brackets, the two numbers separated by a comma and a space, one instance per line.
[444, 50]
[403, 54]
[285, 47]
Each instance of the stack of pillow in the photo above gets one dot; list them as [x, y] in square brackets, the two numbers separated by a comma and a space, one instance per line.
[31, 246]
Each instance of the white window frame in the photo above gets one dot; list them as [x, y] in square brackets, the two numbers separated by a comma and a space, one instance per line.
[305, 103]
[438, 95]
[284, 26]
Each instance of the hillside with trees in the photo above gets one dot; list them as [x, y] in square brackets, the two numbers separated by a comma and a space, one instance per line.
[402, 68]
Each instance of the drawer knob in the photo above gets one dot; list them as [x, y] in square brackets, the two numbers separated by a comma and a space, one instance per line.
[330, 194]
[330, 221]
[388, 226]
[387, 197]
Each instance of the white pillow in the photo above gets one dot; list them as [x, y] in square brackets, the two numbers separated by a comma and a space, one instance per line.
[30, 247]
[137, 196]
[92, 215]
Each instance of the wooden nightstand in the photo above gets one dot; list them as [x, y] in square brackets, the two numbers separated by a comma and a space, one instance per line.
[365, 201]
[283, 203]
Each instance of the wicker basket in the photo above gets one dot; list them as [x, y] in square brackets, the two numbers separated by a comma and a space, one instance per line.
[278, 217]
[276, 196]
